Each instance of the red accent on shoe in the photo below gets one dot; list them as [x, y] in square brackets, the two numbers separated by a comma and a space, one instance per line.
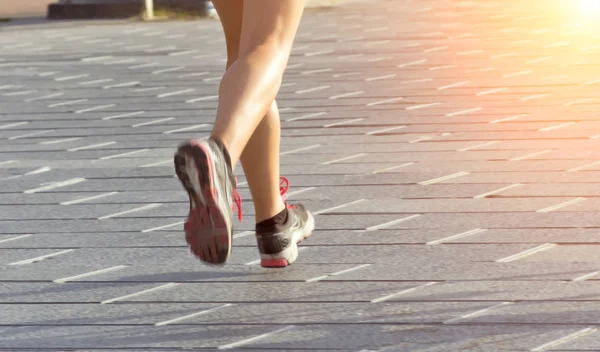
[284, 185]
[274, 263]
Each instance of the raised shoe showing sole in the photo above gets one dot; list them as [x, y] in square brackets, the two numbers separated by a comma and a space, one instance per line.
[208, 180]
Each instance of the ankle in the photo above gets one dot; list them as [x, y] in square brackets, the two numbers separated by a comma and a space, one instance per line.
[263, 214]
[276, 220]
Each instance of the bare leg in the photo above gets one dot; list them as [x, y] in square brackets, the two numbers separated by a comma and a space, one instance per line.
[260, 157]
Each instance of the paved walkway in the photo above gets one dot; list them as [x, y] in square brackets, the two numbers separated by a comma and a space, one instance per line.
[450, 149]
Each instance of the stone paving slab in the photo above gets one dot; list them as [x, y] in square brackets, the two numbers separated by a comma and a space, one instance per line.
[450, 149]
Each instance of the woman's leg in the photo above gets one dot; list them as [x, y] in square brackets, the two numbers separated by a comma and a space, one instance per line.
[251, 83]
[246, 93]
[260, 158]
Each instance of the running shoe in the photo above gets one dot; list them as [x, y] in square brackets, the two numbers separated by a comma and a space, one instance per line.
[208, 178]
[278, 244]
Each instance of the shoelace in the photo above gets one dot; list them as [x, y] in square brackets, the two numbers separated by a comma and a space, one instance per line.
[284, 185]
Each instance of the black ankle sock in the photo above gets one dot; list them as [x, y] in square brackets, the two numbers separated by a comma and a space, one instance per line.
[225, 152]
[278, 219]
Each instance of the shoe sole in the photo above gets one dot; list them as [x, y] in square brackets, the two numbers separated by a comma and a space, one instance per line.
[290, 254]
[208, 236]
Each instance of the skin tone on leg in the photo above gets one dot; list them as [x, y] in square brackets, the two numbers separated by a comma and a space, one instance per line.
[259, 39]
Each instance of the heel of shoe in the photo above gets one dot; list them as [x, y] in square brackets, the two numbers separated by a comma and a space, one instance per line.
[281, 259]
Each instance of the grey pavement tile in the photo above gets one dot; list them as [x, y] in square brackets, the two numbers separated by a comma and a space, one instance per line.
[96, 314]
[70, 292]
[425, 338]
[131, 337]
[268, 292]
[565, 312]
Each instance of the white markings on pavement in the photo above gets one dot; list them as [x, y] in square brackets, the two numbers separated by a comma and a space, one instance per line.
[477, 313]
[421, 106]
[40, 258]
[563, 340]
[129, 114]
[92, 146]
[586, 276]
[95, 108]
[437, 48]
[463, 112]
[134, 210]
[38, 171]
[454, 237]
[496, 191]
[393, 295]
[477, 146]
[526, 253]
[343, 122]
[412, 63]
[535, 96]
[442, 67]
[122, 85]
[346, 95]
[385, 130]
[317, 53]
[392, 223]
[33, 134]
[510, 118]
[491, 91]
[161, 287]
[96, 81]
[163, 227]
[300, 149]
[254, 339]
[123, 154]
[193, 315]
[10, 125]
[171, 69]
[71, 102]
[54, 185]
[561, 205]
[444, 178]
[323, 211]
[148, 64]
[319, 278]
[322, 70]
[343, 159]
[454, 85]
[377, 78]
[69, 78]
[48, 96]
[580, 101]
[310, 90]
[555, 127]
[14, 238]
[208, 97]
[530, 155]
[386, 101]
[579, 168]
[184, 129]
[307, 116]
[21, 92]
[92, 273]
[63, 140]
[177, 92]
[392, 168]
[152, 122]
[83, 200]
